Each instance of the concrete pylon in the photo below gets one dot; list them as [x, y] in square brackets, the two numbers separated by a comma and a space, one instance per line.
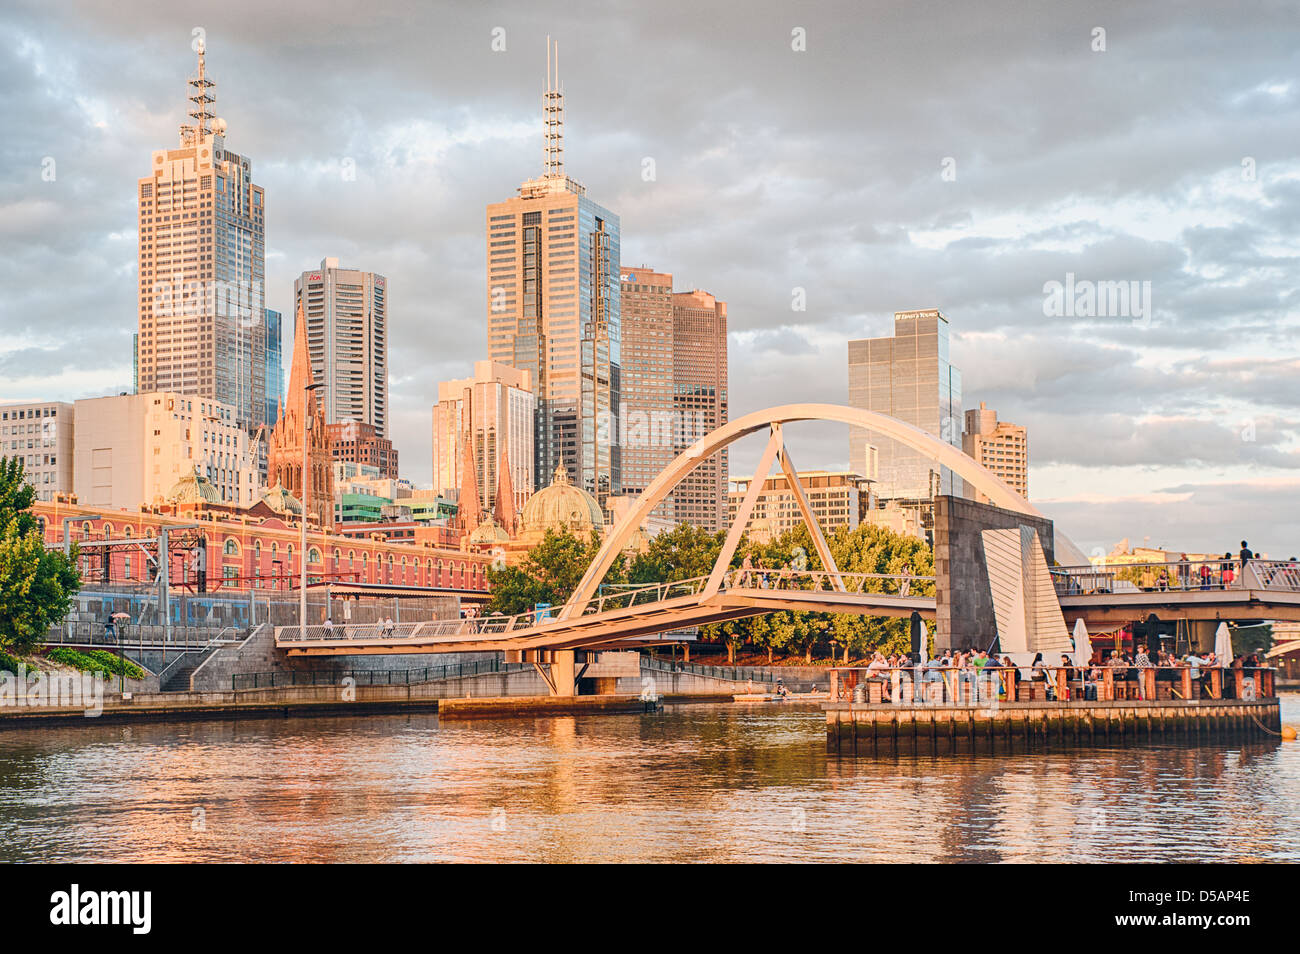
[564, 673]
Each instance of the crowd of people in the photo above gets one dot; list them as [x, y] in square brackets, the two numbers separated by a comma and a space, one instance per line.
[1000, 678]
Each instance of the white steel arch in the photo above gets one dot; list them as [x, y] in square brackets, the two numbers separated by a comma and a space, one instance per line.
[984, 480]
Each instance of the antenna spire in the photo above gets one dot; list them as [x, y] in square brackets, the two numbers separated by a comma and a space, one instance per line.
[201, 98]
[553, 116]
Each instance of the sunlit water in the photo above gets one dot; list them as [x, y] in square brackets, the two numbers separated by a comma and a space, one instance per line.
[697, 783]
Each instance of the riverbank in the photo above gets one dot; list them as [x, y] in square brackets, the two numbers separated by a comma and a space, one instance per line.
[329, 700]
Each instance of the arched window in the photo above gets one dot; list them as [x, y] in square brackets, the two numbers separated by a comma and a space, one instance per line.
[257, 548]
[336, 559]
[126, 532]
[313, 555]
[232, 547]
[352, 559]
[85, 530]
[108, 531]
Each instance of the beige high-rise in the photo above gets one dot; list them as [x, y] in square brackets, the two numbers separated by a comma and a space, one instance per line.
[649, 420]
[497, 409]
[202, 320]
[1000, 446]
[553, 311]
[700, 403]
[347, 337]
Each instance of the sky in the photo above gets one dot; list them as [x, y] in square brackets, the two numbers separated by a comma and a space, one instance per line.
[877, 156]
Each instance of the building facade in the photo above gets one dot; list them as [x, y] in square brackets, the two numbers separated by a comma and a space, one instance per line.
[262, 551]
[837, 499]
[553, 310]
[41, 435]
[300, 431]
[1000, 446]
[496, 409]
[649, 420]
[700, 404]
[907, 376]
[347, 335]
[274, 365]
[357, 443]
[134, 448]
[202, 264]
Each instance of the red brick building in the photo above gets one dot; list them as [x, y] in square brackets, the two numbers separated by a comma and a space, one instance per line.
[359, 443]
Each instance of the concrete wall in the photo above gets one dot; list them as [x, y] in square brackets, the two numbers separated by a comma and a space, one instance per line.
[963, 602]
[258, 653]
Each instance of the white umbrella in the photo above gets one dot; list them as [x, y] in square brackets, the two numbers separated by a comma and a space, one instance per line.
[1223, 645]
[924, 656]
[1082, 644]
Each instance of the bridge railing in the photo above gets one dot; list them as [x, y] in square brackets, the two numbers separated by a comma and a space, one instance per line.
[1178, 576]
[947, 685]
[609, 600]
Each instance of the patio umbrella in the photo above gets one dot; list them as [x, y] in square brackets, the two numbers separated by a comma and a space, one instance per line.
[923, 655]
[121, 616]
[1082, 645]
[1223, 645]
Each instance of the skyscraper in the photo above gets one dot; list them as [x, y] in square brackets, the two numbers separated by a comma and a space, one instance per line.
[347, 337]
[648, 424]
[274, 364]
[553, 310]
[700, 403]
[202, 264]
[1000, 446]
[907, 376]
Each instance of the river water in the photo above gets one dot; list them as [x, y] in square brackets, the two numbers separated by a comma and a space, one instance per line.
[694, 783]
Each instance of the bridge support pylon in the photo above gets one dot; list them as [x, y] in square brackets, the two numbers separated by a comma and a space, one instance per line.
[559, 668]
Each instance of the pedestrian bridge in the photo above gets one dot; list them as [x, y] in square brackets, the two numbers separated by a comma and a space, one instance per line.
[629, 616]
[1110, 596]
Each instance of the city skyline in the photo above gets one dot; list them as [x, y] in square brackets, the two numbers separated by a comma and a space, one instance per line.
[1128, 416]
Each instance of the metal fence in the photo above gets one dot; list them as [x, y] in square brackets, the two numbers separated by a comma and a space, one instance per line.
[371, 677]
[1178, 576]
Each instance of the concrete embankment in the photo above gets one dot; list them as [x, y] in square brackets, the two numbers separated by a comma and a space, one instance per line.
[500, 694]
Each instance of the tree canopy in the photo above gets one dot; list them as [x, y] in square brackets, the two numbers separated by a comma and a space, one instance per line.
[36, 585]
[551, 571]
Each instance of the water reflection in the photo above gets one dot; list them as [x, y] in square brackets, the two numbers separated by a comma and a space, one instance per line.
[725, 783]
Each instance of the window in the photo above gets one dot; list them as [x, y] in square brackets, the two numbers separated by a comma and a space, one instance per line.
[231, 548]
[313, 555]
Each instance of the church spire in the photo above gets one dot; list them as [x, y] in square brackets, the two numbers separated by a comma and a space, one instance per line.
[505, 503]
[468, 512]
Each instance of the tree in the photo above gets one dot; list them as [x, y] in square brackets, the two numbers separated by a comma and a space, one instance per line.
[36, 585]
[548, 574]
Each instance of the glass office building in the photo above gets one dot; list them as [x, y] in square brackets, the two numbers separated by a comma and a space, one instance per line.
[908, 376]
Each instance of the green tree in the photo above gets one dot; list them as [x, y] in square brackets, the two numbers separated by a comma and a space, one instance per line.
[548, 574]
[36, 585]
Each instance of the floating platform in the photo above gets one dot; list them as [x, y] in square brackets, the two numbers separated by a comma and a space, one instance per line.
[878, 728]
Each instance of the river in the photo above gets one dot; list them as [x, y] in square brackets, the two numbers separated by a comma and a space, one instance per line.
[693, 783]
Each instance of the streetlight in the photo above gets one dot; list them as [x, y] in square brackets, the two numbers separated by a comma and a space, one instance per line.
[308, 420]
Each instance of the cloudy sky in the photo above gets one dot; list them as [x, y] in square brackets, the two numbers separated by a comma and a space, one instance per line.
[911, 155]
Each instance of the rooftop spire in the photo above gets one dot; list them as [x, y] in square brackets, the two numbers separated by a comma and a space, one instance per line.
[553, 115]
[201, 98]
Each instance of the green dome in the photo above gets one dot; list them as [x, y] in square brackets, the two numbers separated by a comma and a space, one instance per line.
[194, 488]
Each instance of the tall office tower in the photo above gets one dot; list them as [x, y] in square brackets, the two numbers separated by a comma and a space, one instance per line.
[497, 409]
[907, 376]
[347, 335]
[648, 423]
[274, 365]
[202, 268]
[1000, 446]
[700, 402]
[553, 310]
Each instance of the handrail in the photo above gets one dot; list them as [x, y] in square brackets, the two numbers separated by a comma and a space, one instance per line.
[270, 680]
[206, 646]
[1221, 573]
[993, 682]
[738, 579]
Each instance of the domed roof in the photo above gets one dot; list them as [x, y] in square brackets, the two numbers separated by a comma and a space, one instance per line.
[194, 488]
[561, 506]
[488, 533]
[281, 501]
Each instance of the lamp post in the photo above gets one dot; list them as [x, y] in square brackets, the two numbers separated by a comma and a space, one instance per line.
[308, 420]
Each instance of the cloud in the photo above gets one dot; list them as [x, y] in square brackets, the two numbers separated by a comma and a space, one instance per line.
[775, 169]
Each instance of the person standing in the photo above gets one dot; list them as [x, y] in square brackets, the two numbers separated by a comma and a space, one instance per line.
[1246, 556]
